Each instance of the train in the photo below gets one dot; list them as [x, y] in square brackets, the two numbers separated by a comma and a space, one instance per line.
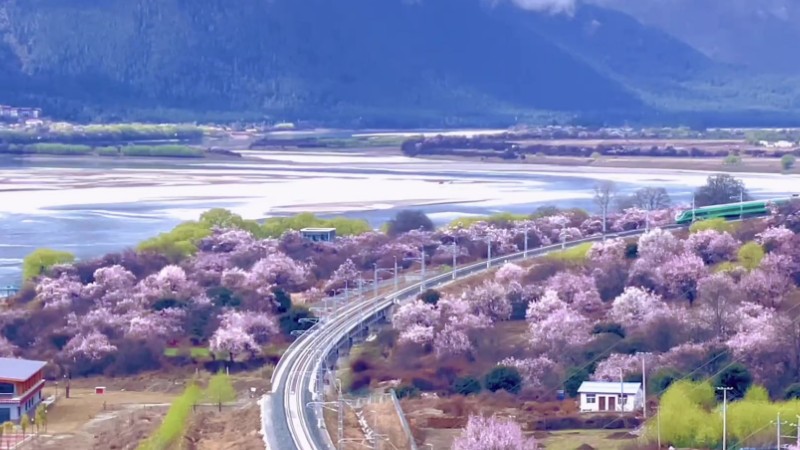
[731, 210]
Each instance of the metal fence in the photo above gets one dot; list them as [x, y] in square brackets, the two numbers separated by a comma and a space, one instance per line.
[403, 421]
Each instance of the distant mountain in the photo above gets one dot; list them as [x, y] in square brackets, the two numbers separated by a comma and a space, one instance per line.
[760, 34]
[359, 62]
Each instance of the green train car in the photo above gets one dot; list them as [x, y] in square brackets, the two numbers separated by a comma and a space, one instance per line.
[729, 210]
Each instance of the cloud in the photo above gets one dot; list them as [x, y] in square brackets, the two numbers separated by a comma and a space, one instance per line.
[551, 6]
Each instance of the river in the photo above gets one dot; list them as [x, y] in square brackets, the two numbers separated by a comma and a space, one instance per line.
[94, 206]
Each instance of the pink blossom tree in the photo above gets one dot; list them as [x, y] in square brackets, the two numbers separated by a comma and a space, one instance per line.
[536, 372]
[410, 318]
[719, 296]
[540, 309]
[489, 299]
[561, 331]
[165, 324]
[242, 331]
[713, 246]
[774, 238]
[59, 293]
[509, 274]
[493, 433]
[171, 282]
[768, 288]
[451, 340]
[679, 275]
[576, 289]
[659, 245]
[279, 270]
[92, 346]
[607, 252]
[347, 273]
[637, 308]
[618, 364]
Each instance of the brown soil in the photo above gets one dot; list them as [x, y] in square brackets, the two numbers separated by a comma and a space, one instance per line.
[235, 428]
[353, 435]
[133, 407]
[383, 419]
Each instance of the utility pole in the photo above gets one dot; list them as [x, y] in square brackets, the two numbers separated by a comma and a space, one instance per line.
[621, 392]
[422, 281]
[644, 389]
[341, 415]
[658, 426]
[741, 203]
[798, 431]
[455, 255]
[489, 253]
[724, 390]
[525, 251]
[395, 273]
[779, 430]
[375, 288]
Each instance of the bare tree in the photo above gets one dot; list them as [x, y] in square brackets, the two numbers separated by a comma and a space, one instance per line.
[651, 198]
[604, 192]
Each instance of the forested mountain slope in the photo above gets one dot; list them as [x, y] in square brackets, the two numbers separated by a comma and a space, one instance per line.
[384, 62]
[760, 34]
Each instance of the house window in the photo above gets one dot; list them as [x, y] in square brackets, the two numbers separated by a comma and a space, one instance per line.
[590, 398]
[6, 388]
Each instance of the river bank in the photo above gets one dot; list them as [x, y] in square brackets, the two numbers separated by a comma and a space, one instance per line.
[744, 165]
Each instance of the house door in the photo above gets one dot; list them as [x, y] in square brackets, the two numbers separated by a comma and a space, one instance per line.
[602, 400]
[612, 403]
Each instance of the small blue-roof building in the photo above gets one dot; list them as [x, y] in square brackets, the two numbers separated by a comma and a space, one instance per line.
[21, 384]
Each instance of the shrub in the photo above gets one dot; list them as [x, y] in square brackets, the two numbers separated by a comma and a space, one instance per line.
[291, 320]
[573, 255]
[422, 384]
[172, 151]
[632, 250]
[505, 378]
[787, 161]
[360, 365]
[220, 389]
[575, 376]
[663, 379]
[407, 220]
[735, 376]
[430, 296]
[733, 160]
[42, 259]
[610, 327]
[360, 381]
[719, 224]
[406, 391]
[792, 392]
[750, 255]
[466, 386]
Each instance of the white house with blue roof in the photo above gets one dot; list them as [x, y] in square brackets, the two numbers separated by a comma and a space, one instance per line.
[21, 384]
[599, 396]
